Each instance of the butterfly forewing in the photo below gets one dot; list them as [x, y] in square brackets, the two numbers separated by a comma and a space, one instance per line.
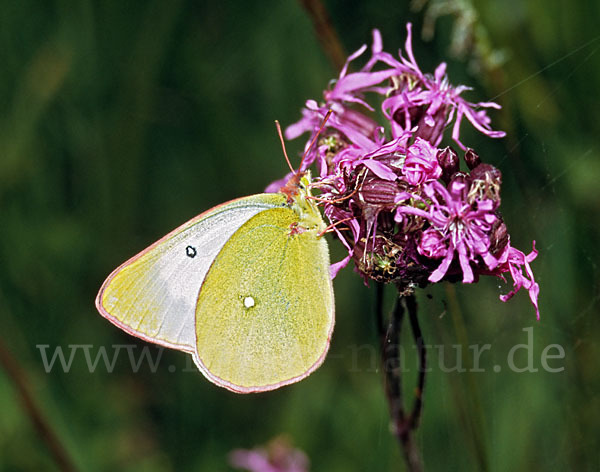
[153, 295]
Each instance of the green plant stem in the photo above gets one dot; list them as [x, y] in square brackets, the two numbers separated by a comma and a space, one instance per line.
[35, 414]
[411, 305]
[390, 338]
[328, 37]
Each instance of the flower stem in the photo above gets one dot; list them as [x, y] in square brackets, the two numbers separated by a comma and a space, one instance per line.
[328, 37]
[40, 422]
[403, 424]
[411, 305]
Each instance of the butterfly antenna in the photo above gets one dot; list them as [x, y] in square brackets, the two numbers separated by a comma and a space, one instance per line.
[329, 112]
[333, 225]
[287, 159]
[337, 200]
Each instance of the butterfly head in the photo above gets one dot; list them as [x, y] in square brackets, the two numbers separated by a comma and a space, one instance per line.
[300, 199]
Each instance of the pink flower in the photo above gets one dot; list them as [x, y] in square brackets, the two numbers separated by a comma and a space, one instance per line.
[433, 244]
[402, 207]
[514, 261]
[440, 101]
[463, 229]
[278, 456]
[354, 126]
[421, 164]
[416, 102]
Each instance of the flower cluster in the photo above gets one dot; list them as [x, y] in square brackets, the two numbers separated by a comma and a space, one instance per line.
[401, 205]
[277, 456]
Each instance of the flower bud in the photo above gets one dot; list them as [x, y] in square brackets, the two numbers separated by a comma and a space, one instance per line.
[461, 178]
[472, 158]
[449, 162]
[379, 192]
[498, 237]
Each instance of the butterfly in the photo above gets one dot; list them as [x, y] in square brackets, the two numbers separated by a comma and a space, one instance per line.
[245, 288]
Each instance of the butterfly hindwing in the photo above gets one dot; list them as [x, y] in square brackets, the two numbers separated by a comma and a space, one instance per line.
[265, 312]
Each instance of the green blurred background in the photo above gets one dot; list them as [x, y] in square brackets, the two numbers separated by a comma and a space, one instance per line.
[121, 120]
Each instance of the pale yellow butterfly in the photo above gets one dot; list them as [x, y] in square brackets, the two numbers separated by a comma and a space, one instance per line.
[245, 288]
